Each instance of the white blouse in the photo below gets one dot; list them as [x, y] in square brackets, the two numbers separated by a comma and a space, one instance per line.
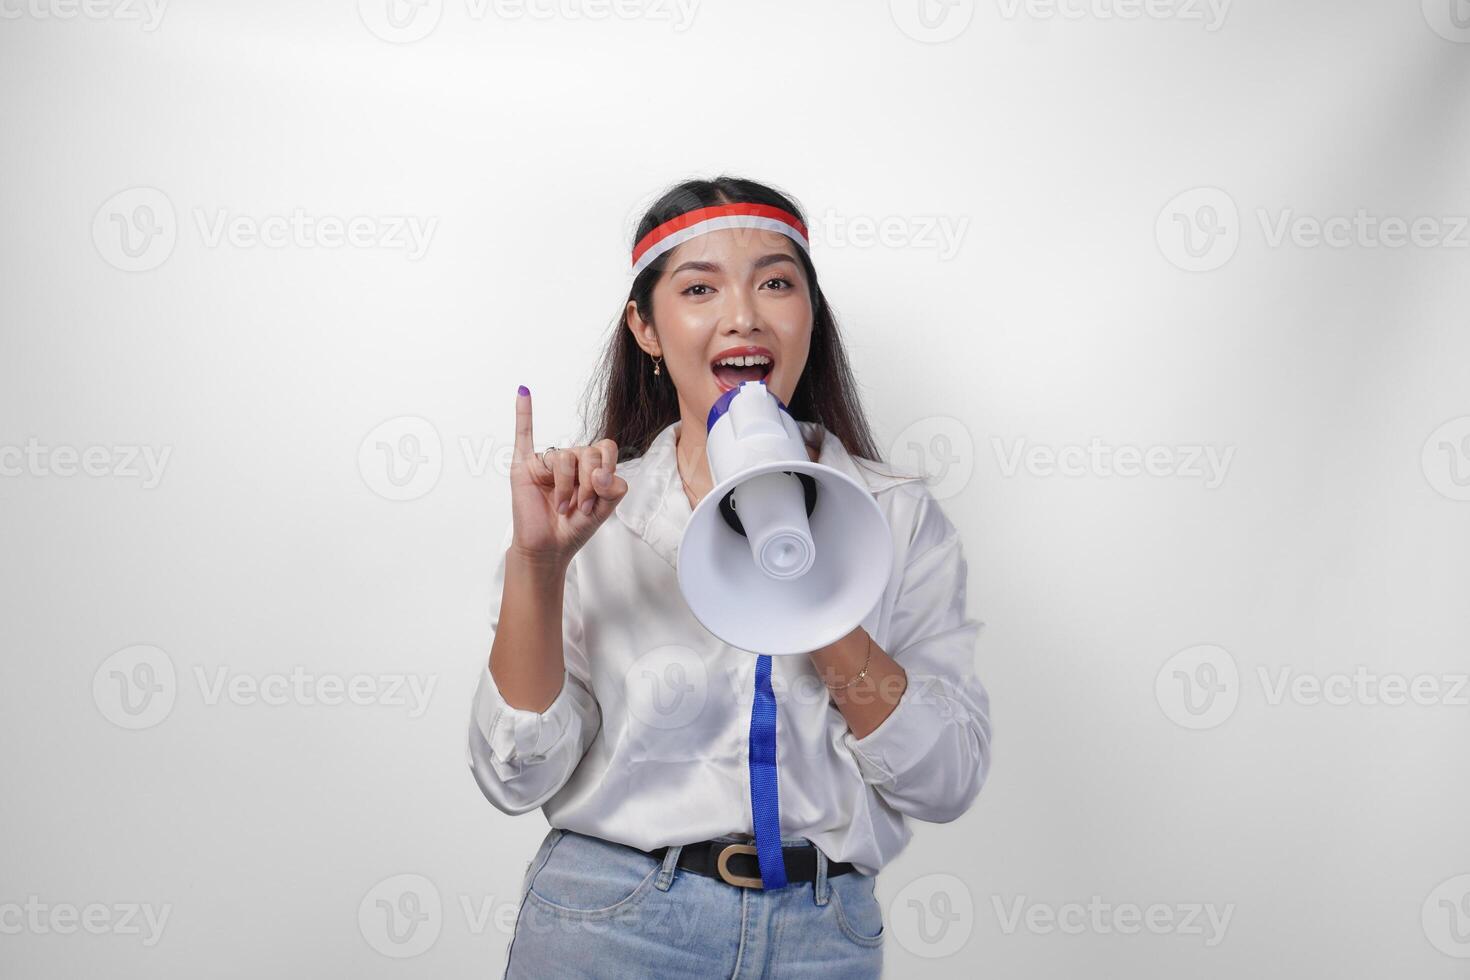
[647, 742]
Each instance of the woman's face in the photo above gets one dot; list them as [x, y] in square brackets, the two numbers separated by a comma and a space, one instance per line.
[723, 292]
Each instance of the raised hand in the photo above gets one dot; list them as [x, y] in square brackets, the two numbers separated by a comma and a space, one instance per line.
[557, 505]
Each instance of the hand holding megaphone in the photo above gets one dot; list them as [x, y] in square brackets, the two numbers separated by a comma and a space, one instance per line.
[559, 502]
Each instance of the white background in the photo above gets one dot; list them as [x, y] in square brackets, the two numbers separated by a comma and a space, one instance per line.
[1060, 141]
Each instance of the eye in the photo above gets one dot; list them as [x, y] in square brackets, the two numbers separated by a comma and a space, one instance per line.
[698, 285]
[779, 279]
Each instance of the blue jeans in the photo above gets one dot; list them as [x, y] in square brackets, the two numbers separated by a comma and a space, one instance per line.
[593, 908]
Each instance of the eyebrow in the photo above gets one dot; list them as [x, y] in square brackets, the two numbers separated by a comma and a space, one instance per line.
[701, 266]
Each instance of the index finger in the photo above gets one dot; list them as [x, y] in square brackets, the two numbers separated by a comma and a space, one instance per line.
[523, 441]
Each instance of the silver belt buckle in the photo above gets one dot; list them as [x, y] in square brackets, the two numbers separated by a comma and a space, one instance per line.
[722, 866]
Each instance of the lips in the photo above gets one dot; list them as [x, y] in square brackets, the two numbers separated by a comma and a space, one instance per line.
[728, 377]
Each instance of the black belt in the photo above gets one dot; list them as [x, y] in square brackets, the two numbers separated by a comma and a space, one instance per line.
[735, 862]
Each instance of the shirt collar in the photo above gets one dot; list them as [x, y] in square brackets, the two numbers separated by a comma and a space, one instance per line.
[656, 509]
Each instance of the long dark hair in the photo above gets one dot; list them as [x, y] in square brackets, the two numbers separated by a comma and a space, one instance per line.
[635, 405]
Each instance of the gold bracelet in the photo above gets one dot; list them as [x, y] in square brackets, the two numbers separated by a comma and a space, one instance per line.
[860, 674]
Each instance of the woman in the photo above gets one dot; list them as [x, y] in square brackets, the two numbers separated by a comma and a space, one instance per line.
[607, 704]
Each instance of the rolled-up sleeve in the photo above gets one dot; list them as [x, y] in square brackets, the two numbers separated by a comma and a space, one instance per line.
[521, 758]
[930, 756]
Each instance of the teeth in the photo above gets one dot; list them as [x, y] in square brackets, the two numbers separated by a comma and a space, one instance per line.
[745, 361]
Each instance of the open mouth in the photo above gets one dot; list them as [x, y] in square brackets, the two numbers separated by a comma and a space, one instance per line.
[734, 369]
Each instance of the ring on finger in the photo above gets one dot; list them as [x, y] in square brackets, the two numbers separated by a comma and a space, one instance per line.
[548, 449]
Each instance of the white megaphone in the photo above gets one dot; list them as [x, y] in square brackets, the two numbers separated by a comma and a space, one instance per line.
[783, 555]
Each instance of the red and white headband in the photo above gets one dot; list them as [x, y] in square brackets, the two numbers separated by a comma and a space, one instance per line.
[701, 221]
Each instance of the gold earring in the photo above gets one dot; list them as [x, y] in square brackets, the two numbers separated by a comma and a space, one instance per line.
[657, 365]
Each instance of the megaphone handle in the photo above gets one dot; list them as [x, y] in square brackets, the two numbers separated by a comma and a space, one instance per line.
[727, 502]
[765, 799]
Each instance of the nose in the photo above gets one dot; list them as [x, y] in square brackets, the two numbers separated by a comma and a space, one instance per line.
[742, 318]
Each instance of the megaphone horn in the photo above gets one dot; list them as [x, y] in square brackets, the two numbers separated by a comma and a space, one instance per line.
[783, 555]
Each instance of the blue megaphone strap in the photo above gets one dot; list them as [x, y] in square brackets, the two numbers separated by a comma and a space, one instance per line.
[765, 800]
